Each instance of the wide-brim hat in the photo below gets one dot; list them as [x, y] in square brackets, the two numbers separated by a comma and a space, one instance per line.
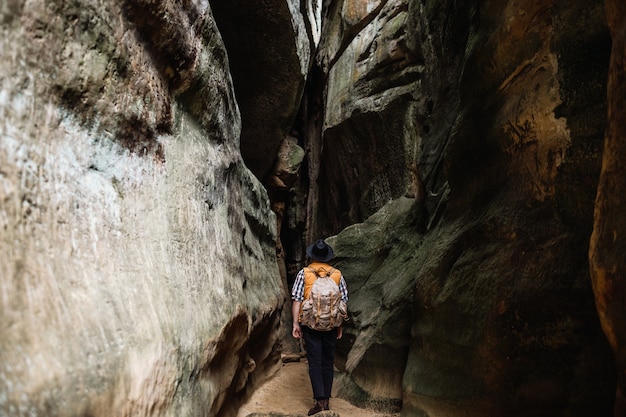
[320, 251]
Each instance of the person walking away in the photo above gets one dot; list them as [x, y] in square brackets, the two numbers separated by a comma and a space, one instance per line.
[320, 297]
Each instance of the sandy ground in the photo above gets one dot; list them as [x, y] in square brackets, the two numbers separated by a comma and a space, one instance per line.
[289, 392]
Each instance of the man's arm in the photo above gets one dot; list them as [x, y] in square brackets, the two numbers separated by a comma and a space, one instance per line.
[296, 331]
[297, 294]
[343, 287]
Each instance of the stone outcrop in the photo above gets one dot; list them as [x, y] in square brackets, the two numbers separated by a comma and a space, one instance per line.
[606, 251]
[138, 268]
[270, 47]
[373, 75]
[271, 44]
[465, 140]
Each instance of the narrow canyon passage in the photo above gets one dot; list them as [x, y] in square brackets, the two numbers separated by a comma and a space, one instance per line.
[164, 165]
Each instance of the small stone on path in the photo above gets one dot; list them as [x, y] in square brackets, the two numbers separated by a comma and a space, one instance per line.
[288, 358]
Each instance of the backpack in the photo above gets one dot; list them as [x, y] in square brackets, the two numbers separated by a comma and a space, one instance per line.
[323, 309]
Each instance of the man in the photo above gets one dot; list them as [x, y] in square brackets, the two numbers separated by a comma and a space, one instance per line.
[319, 345]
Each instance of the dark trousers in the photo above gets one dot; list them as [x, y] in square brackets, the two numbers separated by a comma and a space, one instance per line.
[320, 353]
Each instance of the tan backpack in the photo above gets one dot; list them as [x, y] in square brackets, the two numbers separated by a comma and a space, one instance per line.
[322, 309]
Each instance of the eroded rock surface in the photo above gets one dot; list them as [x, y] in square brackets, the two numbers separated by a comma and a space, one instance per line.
[270, 47]
[607, 243]
[138, 267]
[483, 124]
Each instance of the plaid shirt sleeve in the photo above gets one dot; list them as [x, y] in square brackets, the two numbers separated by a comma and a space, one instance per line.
[297, 292]
[344, 289]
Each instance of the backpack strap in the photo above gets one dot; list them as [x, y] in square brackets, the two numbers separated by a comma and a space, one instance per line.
[324, 270]
[318, 270]
[321, 271]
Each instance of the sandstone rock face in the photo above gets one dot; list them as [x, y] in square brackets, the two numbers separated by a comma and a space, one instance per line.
[373, 78]
[138, 268]
[270, 47]
[474, 133]
[607, 242]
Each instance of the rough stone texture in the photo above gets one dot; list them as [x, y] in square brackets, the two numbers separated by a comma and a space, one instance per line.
[369, 111]
[376, 256]
[138, 267]
[284, 173]
[608, 266]
[270, 46]
[488, 118]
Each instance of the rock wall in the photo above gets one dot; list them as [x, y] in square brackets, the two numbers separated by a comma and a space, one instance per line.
[458, 162]
[270, 46]
[138, 253]
[607, 243]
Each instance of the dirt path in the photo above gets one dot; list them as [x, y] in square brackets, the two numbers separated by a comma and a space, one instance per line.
[289, 392]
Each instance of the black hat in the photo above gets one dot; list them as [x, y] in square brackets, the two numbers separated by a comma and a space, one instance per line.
[320, 251]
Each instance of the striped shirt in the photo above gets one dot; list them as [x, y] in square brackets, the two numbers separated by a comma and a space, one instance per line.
[297, 292]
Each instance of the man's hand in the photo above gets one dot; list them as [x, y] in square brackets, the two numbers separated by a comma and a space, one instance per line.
[296, 331]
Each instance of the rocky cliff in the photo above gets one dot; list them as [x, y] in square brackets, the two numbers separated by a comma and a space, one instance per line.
[474, 133]
[163, 164]
[138, 259]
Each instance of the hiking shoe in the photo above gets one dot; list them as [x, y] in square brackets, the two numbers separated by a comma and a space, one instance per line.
[326, 404]
[317, 407]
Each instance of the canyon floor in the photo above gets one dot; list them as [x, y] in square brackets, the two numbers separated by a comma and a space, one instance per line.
[289, 393]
